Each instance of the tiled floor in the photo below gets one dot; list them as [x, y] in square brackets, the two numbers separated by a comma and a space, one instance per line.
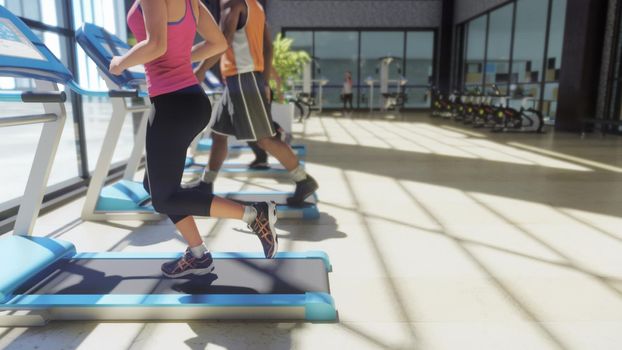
[441, 237]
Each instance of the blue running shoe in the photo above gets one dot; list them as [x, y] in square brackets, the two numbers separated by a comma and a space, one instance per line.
[263, 227]
[187, 264]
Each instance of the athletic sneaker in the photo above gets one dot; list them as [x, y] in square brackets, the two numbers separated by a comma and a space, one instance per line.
[258, 164]
[304, 189]
[207, 188]
[263, 227]
[187, 264]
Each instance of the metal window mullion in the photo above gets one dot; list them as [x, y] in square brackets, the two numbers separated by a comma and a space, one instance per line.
[76, 99]
[512, 35]
[546, 54]
[358, 70]
[485, 53]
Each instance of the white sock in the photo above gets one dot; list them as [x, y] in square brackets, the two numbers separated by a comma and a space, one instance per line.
[209, 176]
[250, 213]
[199, 250]
[298, 174]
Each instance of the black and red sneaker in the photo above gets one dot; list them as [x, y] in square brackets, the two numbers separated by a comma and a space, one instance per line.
[263, 227]
[304, 189]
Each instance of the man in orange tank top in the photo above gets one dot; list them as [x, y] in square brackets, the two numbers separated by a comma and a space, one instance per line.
[243, 111]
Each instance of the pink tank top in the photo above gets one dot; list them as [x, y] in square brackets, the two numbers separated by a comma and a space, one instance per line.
[173, 70]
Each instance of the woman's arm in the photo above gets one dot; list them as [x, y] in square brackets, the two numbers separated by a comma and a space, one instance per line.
[155, 17]
[214, 42]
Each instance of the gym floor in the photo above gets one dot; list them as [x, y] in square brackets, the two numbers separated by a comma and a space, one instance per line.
[441, 237]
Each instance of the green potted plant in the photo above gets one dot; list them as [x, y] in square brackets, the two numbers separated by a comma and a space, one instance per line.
[288, 65]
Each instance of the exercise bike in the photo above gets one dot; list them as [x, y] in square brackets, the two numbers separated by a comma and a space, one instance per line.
[525, 119]
[303, 102]
[441, 106]
[473, 102]
[485, 112]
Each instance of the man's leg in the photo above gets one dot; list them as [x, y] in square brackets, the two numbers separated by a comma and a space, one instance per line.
[305, 184]
[217, 155]
[261, 157]
[281, 151]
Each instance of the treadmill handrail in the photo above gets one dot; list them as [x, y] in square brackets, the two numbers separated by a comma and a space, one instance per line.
[30, 96]
[28, 119]
[110, 93]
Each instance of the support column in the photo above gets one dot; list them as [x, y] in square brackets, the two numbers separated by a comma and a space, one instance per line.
[581, 59]
[444, 54]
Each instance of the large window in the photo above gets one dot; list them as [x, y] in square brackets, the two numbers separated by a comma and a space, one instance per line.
[518, 48]
[52, 21]
[498, 48]
[554, 56]
[475, 53]
[375, 48]
[411, 56]
[419, 67]
[336, 53]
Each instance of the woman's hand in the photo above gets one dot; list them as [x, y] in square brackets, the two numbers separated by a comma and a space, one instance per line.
[115, 66]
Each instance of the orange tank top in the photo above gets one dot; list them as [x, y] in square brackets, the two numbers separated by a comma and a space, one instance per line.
[245, 54]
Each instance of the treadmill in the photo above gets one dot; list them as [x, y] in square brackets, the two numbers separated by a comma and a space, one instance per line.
[127, 199]
[43, 279]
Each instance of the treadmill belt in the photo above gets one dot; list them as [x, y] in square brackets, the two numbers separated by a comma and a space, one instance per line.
[143, 276]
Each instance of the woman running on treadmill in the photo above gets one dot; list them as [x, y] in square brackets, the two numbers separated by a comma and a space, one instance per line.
[165, 31]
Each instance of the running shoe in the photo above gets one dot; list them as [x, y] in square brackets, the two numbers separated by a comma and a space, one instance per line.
[263, 227]
[259, 164]
[187, 264]
[207, 188]
[304, 189]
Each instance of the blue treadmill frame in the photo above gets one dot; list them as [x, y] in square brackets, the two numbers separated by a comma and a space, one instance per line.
[318, 306]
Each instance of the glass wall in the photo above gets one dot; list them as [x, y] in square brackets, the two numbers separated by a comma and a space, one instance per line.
[336, 53]
[475, 53]
[18, 144]
[51, 21]
[518, 48]
[361, 52]
[554, 56]
[498, 48]
[419, 67]
[97, 111]
[375, 47]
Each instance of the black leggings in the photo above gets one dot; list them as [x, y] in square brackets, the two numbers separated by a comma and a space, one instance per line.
[177, 118]
[347, 99]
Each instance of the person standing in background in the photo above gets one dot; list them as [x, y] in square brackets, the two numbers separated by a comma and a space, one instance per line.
[346, 92]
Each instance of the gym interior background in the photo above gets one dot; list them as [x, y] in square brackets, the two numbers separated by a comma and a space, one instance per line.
[565, 54]
[521, 46]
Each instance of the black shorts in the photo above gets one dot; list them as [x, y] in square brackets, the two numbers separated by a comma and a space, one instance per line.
[244, 111]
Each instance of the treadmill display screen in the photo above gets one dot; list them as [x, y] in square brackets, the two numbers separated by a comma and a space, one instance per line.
[13, 43]
[121, 51]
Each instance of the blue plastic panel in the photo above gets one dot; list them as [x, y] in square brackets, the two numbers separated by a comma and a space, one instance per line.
[310, 212]
[22, 257]
[23, 54]
[318, 306]
[100, 46]
[123, 195]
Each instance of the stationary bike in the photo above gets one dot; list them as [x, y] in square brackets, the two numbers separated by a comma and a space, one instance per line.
[525, 119]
